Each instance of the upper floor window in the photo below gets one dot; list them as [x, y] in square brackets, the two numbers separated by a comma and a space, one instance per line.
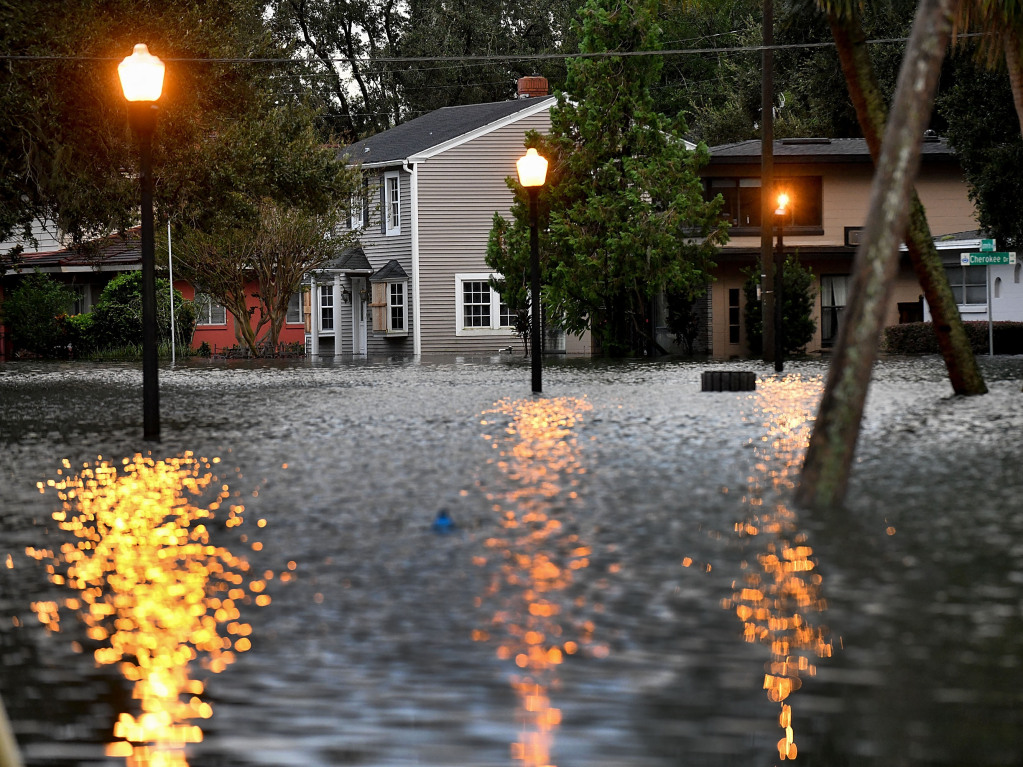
[742, 202]
[208, 311]
[391, 203]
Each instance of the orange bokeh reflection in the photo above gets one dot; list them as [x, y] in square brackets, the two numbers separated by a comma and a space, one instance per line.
[535, 559]
[780, 598]
[154, 594]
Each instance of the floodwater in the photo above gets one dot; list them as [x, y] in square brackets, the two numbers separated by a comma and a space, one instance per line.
[626, 581]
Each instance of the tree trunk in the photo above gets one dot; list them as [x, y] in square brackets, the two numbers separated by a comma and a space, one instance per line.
[963, 371]
[832, 445]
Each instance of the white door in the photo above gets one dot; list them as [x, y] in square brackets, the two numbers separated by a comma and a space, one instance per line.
[358, 315]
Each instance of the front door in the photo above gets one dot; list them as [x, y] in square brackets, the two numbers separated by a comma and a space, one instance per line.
[359, 300]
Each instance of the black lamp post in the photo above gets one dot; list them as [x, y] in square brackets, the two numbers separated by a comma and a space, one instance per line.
[779, 270]
[532, 170]
[142, 82]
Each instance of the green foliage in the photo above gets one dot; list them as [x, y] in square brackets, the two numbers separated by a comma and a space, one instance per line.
[117, 316]
[35, 311]
[272, 252]
[798, 296]
[684, 322]
[984, 132]
[919, 338]
[622, 213]
[226, 134]
[78, 331]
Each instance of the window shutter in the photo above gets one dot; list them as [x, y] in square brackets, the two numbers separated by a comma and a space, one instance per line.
[365, 201]
[379, 306]
[383, 204]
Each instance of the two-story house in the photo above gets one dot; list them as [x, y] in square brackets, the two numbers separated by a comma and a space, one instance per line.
[417, 284]
[828, 181]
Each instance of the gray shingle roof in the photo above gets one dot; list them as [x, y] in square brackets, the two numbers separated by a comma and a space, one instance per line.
[432, 129]
[390, 271]
[351, 260]
[816, 150]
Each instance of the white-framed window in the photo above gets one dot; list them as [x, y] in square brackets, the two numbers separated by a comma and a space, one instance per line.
[355, 219]
[396, 308]
[208, 311]
[295, 306]
[390, 307]
[83, 299]
[969, 284]
[391, 202]
[478, 307]
[326, 307]
[834, 295]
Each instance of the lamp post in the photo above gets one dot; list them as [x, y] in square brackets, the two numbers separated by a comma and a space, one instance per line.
[532, 170]
[779, 270]
[141, 77]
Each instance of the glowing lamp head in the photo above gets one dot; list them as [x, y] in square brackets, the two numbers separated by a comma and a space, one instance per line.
[141, 75]
[532, 169]
[783, 204]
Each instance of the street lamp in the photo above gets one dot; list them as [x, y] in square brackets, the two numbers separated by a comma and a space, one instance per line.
[142, 82]
[532, 170]
[779, 267]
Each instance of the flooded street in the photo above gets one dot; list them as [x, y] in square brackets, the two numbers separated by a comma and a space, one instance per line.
[625, 582]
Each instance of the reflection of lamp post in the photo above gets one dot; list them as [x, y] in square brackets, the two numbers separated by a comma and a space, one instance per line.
[142, 82]
[779, 268]
[532, 170]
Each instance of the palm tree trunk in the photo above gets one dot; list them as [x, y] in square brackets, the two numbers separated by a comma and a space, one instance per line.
[832, 445]
[1014, 64]
[963, 371]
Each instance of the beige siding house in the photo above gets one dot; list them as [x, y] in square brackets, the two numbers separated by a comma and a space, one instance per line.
[829, 182]
[418, 282]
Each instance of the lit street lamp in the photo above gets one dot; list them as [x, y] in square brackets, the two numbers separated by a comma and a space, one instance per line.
[142, 82]
[779, 268]
[532, 170]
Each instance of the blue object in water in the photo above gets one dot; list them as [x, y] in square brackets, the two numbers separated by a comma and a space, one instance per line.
[443, 524]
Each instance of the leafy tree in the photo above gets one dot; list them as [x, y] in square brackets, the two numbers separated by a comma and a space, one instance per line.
[351, 49]
[797, 307]
[35, 312]
[222, 138]
[623, 211]
[117, 316]
[283, 244]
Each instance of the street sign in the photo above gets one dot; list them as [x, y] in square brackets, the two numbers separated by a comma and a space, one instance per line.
[987, 259]
[987, 246]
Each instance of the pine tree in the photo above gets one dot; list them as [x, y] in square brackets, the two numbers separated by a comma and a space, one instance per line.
[623, 208]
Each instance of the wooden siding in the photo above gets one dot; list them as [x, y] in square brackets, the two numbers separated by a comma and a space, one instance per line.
[459, 192]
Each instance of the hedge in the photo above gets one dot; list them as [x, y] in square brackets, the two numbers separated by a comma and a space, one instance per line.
[919, 338]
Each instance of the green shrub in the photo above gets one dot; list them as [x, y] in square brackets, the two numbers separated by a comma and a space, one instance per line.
[79, 335]
[36, 312]
[798, 294]
[117, 316]
[919, 338]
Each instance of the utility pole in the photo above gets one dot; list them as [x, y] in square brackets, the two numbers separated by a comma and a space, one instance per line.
[767, 280]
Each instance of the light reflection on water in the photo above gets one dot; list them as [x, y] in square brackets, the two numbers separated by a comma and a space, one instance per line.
[539, 455]
[153, 591]
[780, 599]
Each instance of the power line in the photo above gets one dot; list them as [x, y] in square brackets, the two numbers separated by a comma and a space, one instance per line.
[481, 58]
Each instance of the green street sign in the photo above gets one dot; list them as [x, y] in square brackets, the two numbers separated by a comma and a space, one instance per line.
[987, 246]
[987, 259]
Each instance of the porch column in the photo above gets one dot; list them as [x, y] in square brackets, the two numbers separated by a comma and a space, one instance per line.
[314, 320]
[337, 315]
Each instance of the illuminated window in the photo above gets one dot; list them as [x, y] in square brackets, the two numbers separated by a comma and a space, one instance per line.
[742, 201]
